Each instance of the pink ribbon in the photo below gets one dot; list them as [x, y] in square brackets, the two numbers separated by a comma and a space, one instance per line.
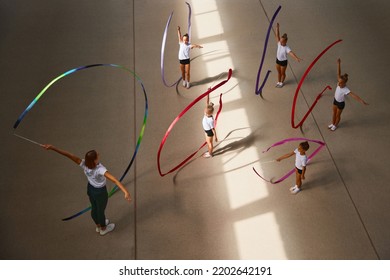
[322, 144]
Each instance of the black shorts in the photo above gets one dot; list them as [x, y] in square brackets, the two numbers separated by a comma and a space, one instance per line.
[281, 63]
[209, 133]
[184, 61]
[299, 170]
[340, 105]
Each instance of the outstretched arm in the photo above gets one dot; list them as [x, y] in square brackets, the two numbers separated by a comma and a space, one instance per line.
[110, 177]
[295, 56]
[72, 157]
[358, 98]
[285, 156]
[179, 34]
[277, 37]
[196, 46]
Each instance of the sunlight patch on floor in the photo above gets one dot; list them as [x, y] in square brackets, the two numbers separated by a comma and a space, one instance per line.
[208, 22]
[240, 193]
[258, 240]
[257, 236]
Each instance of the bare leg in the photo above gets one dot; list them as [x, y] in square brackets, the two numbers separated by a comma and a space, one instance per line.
[187, 70]
[210, 146]
[338, 116]
[282, 73]
[278, 68]
[182, 69]
[334, 115]
[298, 179]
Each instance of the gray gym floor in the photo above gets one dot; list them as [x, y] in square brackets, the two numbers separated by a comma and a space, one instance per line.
[211, 208]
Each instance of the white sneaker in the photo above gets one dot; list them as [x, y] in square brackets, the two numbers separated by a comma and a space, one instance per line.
[206, 155]
[330, 126]
[98, 228]
[333, 128]
[293, 187]
[184, 83]
[295, 190]
[278, 85]
[188, 85]
[109, 228]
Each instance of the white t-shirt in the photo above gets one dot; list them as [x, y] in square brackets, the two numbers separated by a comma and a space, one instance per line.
[282, 52]
[300, 160]
[184, 50]
[95, 176]
[341, 93]
[208, 122]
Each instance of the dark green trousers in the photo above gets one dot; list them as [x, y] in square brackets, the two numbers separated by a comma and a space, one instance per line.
[98, 198]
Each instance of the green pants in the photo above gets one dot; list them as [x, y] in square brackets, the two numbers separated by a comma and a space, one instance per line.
[98, 198]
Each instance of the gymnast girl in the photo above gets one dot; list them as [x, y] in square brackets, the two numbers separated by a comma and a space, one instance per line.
[208, 123]
[281, 56]
[96, 188]
[184, 56]
[300, 165]
[339, 97]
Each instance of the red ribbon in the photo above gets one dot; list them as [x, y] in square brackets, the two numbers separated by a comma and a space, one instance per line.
[177, 119]
[299, 87]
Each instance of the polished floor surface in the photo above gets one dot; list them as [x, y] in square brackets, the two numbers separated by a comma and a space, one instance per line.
[211, 208]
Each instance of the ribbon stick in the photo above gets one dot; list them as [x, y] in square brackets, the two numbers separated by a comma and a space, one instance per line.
[299, 87]
[322, 144]
[311, 107]
[177, 119]
[268, 161]
[164, 40]
[29, 140]
[257, 89]
[141, 134]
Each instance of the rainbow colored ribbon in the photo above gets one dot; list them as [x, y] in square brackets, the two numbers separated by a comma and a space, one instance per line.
[141, 134]
[322, 144]
[299, 87]
[177, 119]
[258, 90]
[164, 43]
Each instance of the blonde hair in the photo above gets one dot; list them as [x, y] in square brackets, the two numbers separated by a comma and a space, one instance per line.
[210, 108]
[344, 77]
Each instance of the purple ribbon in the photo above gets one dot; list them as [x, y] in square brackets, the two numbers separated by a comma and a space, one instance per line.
[189, 22]
[259, 90]
[164, 43]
